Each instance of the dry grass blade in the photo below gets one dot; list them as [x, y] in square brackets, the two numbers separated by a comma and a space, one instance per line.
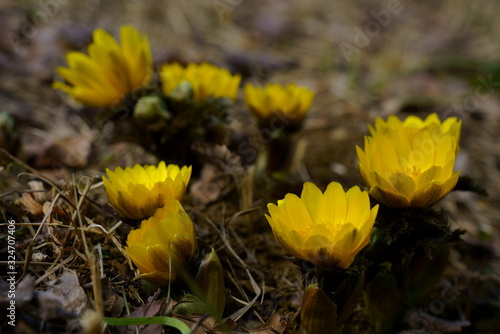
[29, 250]
[239, 313]
[25, 166]
[94, 264]
[55, 268]
[109, 234]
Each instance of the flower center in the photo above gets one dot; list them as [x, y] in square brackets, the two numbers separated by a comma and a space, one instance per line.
[412, 171]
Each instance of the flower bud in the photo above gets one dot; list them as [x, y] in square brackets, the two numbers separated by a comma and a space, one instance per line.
[189, 305]
[151, 111]
[210, 278]
[318, 313]
[183, 91]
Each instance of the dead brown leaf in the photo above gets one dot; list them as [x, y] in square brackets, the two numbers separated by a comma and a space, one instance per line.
[58, 148]
[275, 325]
[41, 306]
[32, 201]
[31, 205]
[69, 289]
[113, 303]
[221, 168]
[153, 307]
[57, 214]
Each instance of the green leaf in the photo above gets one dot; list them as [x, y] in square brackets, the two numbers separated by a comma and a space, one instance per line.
[167, 321]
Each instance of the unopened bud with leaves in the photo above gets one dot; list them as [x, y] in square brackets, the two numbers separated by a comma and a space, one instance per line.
[318, 313]
[151, 111]
[183, 91]
[210, 278]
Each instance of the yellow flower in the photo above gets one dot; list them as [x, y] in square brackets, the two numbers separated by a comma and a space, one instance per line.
[167, 236]
[328, 229]
[291, 102]
[137, 192]
[110, 71]
[410, 163]
[205, 79]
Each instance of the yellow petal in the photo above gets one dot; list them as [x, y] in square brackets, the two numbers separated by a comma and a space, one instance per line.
[334, 205]
[159, 278]
[296, 208]
[313, 200]
[434, 191]
[390, 199]
[403, 184]
[140, 257]
[357, 204]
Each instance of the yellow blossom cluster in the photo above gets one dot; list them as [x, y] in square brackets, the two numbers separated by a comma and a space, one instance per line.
[113, 70]
[405, 164]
